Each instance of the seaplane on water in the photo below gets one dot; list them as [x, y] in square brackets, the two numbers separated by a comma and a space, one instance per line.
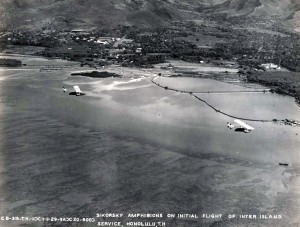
[243, 127]
[77, 92]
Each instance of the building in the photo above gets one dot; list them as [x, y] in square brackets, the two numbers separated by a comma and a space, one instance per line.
[270, 66]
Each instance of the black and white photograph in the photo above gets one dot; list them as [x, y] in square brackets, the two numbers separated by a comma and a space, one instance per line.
[150, 113]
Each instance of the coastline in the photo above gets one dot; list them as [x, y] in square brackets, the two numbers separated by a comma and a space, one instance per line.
[279, 82]
[284, 83]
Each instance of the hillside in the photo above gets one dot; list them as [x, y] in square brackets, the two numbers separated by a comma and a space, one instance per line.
[68, 14]
[281, 8]
[88, 13]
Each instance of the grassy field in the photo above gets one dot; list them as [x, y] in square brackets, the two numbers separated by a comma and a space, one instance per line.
[27, 50]
[202, 40]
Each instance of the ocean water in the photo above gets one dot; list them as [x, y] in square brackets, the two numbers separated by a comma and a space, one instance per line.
[129, 146]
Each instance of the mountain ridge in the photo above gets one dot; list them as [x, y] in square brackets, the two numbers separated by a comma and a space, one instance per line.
[36, 14]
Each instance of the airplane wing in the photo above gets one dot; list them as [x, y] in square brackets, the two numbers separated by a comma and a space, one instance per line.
[77, 89]
[244, 125]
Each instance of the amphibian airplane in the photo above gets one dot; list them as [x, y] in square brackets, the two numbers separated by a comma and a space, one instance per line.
[243, 127]
[77, 92]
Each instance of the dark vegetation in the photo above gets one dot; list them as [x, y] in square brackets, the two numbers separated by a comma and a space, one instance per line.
[96, 74]
[179, 40]
[287, 83]
[4, 62]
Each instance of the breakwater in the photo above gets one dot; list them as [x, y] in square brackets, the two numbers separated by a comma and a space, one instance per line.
[193, 94]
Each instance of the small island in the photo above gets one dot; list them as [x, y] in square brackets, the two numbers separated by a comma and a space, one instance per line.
[5, 62]
[96, 74]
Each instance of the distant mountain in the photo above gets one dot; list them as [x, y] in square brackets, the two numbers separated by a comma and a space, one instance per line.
[281, 8]
[36, 14]
[85, 13]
